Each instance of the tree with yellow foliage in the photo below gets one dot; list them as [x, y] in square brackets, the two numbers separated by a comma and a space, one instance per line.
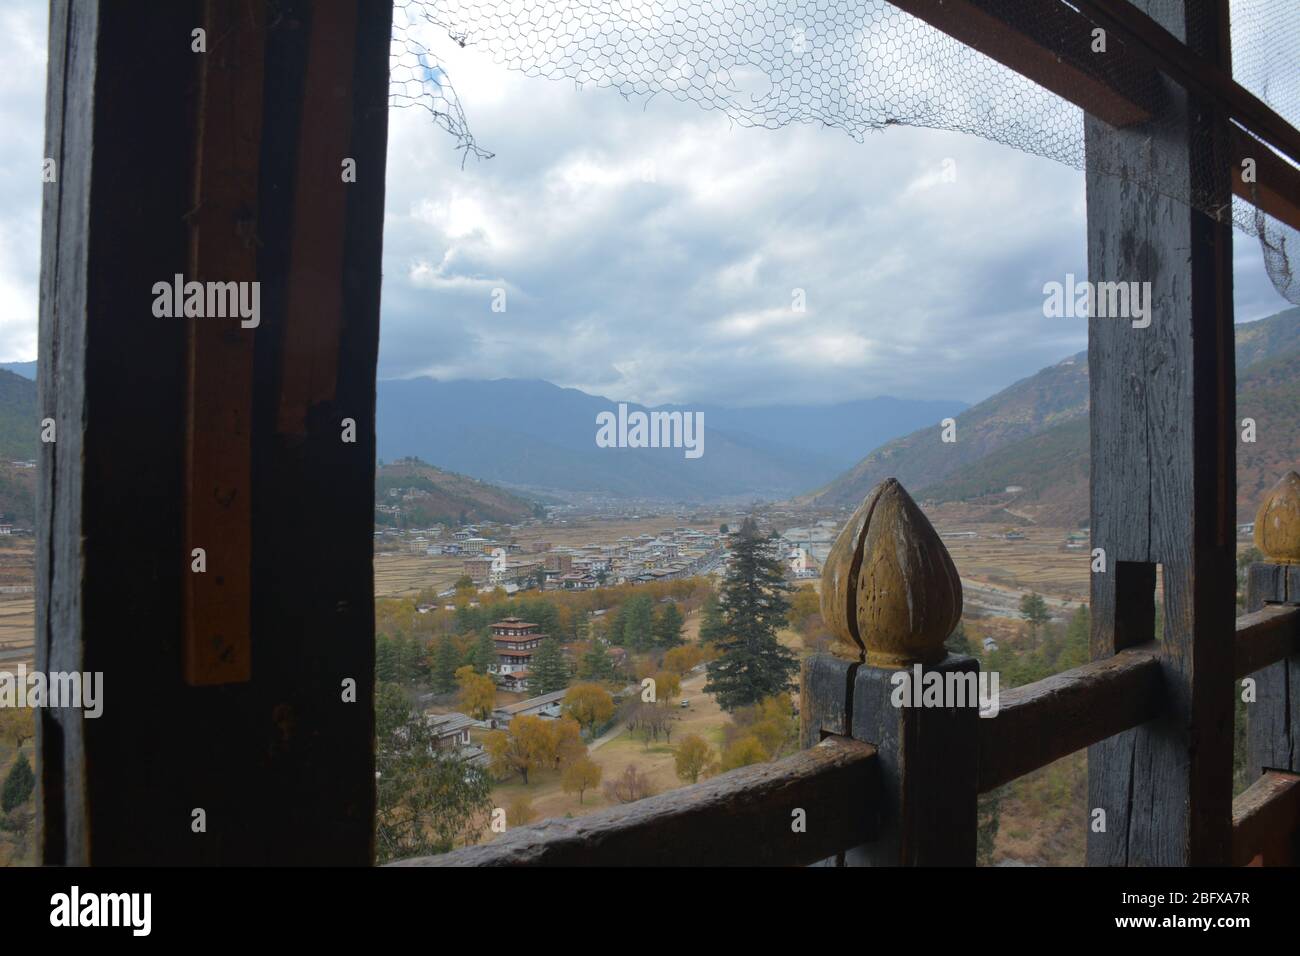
[478, 692]
[681, 659]
[745, 751]
[580, 775]
[668, 687]
[17, 725]
[520, 812]
[527, 746]
[693, 757]
[589, 704]
[565, 741]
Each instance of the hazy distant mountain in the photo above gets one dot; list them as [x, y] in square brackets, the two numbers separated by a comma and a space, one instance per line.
[1051, 466]
[1052, 396]
[25, 369]
[18, 424]
[533, 435]
[19, 441]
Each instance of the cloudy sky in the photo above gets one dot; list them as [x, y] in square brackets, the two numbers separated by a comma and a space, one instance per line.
[650, 251]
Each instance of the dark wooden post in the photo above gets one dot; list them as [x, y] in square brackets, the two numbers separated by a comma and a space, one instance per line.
[215, 157]
[1163, 466]
[1272, 718]
[889, 588]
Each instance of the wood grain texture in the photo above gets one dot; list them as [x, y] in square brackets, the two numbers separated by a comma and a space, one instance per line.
[928, 758]
[740, 818]
[1266, 636]
[283, 768]
[1163, 461]
[824, 698]
[61, 391]
[219, 397]
[1050, 718]
[1052, 45]
[1272, 596]
[1266, 821]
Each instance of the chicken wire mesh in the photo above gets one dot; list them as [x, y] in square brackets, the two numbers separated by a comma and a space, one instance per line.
[860, 66]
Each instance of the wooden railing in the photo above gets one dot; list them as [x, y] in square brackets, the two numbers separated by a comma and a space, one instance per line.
[884, 784]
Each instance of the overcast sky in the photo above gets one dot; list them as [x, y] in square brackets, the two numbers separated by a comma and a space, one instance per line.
[650, 251]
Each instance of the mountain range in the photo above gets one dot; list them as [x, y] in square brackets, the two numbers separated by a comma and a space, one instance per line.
[537, 441]
[1033, 436]
[539, 438]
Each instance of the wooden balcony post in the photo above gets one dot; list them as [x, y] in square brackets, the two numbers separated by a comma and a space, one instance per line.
[890, 590]
[1163, 461]
[1274, 736]
[207, 138]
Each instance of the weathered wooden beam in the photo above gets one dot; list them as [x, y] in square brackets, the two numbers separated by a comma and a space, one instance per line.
[1266, 636]
[281, 765]
[1266, 821]
[1051, 44]
[1273, 588]
[744, 817]
[1163, 466]
[219, 397]
[1050, 718]
[1199, 72]
[1275, 188]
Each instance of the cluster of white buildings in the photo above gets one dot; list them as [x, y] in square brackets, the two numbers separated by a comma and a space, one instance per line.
[670, 554]
[805, 549]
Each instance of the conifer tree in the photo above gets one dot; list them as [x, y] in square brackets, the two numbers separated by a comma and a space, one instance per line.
[549, 672]
[637, 617]
[444, 664]
[595, 664]
[18, 785]
[668, 626]
[753, 664]
[484, 655]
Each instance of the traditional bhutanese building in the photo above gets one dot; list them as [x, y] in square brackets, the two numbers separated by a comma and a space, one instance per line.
[516, 641]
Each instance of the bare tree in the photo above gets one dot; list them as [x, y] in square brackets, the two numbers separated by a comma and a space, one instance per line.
[628, 787]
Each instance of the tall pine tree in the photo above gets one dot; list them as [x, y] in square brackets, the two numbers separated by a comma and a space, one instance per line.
[548, 672]
[637, 617]
[484, 654]
[445, 661]
[668, 626]
[595, 664]
[753, 664]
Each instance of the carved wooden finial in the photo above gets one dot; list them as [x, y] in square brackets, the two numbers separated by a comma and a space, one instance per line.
[889, 586]
[1277, 523]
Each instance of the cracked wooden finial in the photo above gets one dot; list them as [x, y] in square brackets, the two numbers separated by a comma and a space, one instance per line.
[889, 586]
[1277, 523]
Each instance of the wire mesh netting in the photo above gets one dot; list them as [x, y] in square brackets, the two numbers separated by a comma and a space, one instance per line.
[857, 65]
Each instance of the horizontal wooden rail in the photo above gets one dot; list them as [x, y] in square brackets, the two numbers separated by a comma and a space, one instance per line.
[1276, 187]
[1193, 72]
[1056, 716]
[741, 818]
[1265, 637]
[1050, 42]
[1266, 820]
